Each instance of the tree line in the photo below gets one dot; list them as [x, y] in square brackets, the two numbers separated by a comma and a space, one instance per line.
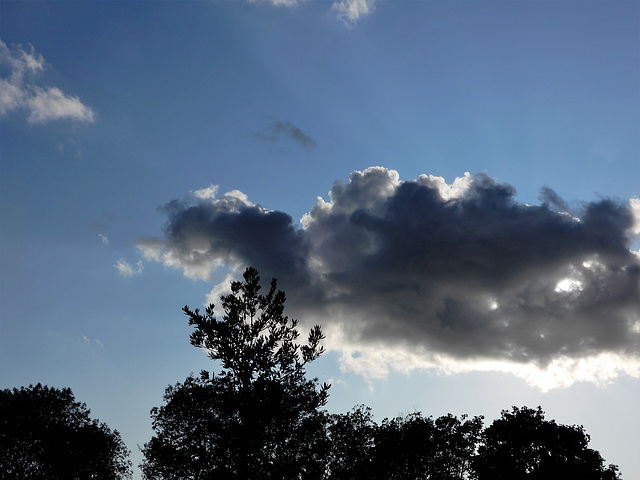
[259, 417]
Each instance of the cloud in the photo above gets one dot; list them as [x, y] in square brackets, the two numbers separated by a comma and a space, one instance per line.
[87, 341]
[424, 274]
[634, 205]
[278, 131]
[222, 288]
[278, 3]
[19, 92]
[349, 11]
[205, 193]
[127, 270]
[103, 238]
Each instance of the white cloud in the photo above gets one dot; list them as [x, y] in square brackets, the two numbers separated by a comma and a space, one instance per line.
[127, 270]
[104, 238]
[349, 11]
[207, 193]
[222, 288]
[634, 204]
[456, 190]
[49, 104]
[376, 360]
[88, 341]
[278, 3]
[11, 96]
[19, 91]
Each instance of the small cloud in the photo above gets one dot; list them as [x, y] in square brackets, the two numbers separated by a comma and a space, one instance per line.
[277, 3]
[127, 270]
[349, 11]
[550, 198]
[207, 193]
[88, 341]
[52, 104]
[43, 104]
[104, 238]
[278, 131]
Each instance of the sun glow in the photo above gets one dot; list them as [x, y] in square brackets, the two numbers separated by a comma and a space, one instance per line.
[568, 285]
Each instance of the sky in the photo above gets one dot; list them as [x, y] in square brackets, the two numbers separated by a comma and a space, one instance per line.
[450, 188]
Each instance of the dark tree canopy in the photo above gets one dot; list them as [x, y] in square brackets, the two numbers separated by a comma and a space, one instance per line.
[352, 436]
[45, 434]
[416, 446]
[258, 416]
[521, 444]
[403, 448]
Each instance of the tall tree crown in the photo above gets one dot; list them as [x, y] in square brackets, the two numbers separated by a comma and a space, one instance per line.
[258, 416]
[254, 340]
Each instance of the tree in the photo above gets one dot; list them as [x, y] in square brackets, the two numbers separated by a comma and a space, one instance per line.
[352, 437]
[521, 444]
[46, 434]
[418, 447]
[259, 416]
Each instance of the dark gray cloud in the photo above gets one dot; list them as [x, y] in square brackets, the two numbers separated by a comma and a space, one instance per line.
[460, 270]
[278, 131]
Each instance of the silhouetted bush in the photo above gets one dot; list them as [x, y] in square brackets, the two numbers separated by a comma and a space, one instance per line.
[45, 434]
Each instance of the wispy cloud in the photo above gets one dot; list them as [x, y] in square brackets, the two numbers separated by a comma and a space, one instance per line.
[277, 3]
[19, 90]
[426, 274]
[88, 341]
[127, 270]
[348, 11]
[278, 131]
[103, 238]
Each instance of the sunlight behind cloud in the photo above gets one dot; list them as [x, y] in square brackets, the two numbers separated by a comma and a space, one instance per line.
[567, 285]
[207, 193]
[634, 203]
[379, 360]
[429, 275]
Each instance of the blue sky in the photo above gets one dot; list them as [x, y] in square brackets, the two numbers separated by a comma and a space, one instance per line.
[149, 149]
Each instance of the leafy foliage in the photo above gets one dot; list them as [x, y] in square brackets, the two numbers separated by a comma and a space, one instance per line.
[259, 416]
[521, 444]
[415, 446]
[46, 434]
[352, 438]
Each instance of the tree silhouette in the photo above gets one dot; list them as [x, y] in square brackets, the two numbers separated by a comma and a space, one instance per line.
[521, 444]
[259, 416]
[45, 434]
[352, 437]
[416, 446]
